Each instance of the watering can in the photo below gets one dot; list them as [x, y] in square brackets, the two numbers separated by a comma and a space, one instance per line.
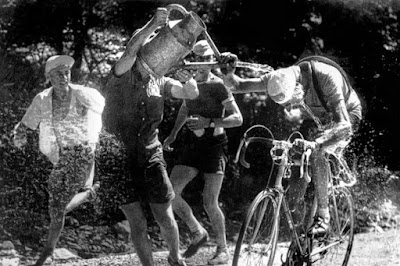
[172, 43]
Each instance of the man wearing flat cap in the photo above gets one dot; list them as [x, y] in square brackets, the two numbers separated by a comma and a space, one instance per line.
[207, 117]
[316, 95]
[68, 117]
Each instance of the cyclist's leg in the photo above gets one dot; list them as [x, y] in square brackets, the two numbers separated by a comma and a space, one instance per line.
[336, 248]
[296, 197]
[319, 170]
[310, 201]
[320, 175]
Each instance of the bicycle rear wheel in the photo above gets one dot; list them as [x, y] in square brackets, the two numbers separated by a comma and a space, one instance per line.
[258, 235]
[339, 242]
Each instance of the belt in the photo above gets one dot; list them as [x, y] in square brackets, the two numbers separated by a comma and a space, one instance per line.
[79, 147]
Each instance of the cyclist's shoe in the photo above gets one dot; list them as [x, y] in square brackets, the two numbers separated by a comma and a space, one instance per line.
[319, 228]
[198, 239]
[180, 262]
[221, 256]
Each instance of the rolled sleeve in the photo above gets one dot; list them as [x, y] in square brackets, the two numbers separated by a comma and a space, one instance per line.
[90, 98]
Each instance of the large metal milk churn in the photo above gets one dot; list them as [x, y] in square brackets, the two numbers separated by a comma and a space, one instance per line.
[172, 43]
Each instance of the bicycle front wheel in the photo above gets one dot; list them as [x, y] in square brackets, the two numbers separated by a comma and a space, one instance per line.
[258, 235]
[339, 242]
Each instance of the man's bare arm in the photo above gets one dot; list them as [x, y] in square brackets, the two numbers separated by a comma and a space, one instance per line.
[342, 126]
[137, 40]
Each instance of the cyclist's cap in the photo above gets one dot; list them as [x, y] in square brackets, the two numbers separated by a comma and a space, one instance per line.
[202, 48]
[281, 84]
[58, 60]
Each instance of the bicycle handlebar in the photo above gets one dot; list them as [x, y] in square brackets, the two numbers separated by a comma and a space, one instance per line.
[280, 150]
[278, 145]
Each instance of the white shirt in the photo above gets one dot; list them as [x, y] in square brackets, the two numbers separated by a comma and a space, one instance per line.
[81, 125]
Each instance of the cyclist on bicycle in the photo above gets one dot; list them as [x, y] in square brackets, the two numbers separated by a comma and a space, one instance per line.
[317, 96]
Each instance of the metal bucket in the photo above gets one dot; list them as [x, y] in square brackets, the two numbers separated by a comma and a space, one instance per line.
[172, 43]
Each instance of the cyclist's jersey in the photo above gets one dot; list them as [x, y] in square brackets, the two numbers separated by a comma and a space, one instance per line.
[334, 89]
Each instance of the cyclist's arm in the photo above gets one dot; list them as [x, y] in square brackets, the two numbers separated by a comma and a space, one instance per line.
[341, 129]
[331, 82]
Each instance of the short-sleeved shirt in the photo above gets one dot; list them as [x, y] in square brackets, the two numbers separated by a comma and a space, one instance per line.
[136, 108]
[210, 102]
[208, 153]
[81, 125]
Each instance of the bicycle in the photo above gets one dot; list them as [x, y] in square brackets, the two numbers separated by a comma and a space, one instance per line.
[258, 237]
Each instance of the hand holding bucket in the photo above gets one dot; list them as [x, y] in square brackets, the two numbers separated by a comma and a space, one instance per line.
[172, 43]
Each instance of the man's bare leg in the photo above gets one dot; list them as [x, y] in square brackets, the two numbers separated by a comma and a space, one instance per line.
[140, 238]
[55, 228]
[164, 216]
[212, 187]
[180, 176]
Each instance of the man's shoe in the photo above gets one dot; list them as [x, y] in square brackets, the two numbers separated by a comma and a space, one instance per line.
[199, 238]
[180, 262]
[221, 257]
[319, 228]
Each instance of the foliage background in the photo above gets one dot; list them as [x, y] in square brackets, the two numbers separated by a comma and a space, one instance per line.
[362, 35]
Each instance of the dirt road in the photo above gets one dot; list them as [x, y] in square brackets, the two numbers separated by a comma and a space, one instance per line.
[370, 249]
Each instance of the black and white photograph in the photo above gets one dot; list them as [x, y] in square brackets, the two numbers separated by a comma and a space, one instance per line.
[199, 132]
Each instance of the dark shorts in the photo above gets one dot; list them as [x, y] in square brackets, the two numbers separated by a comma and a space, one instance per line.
[72, 174]
[149, 183]
[207, 154]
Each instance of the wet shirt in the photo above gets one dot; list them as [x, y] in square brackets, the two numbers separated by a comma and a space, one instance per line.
[81, 125]
[139, 110]
[334, 88]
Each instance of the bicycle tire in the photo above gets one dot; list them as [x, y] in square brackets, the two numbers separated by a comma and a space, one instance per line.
[258, 237]
[341, 236]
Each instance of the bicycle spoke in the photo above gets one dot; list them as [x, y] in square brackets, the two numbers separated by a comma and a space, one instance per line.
[258, 236]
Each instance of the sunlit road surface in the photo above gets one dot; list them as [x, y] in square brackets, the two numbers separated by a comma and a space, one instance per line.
[280, 256]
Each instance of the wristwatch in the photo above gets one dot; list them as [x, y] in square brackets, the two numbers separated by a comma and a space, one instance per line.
[212, 123]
